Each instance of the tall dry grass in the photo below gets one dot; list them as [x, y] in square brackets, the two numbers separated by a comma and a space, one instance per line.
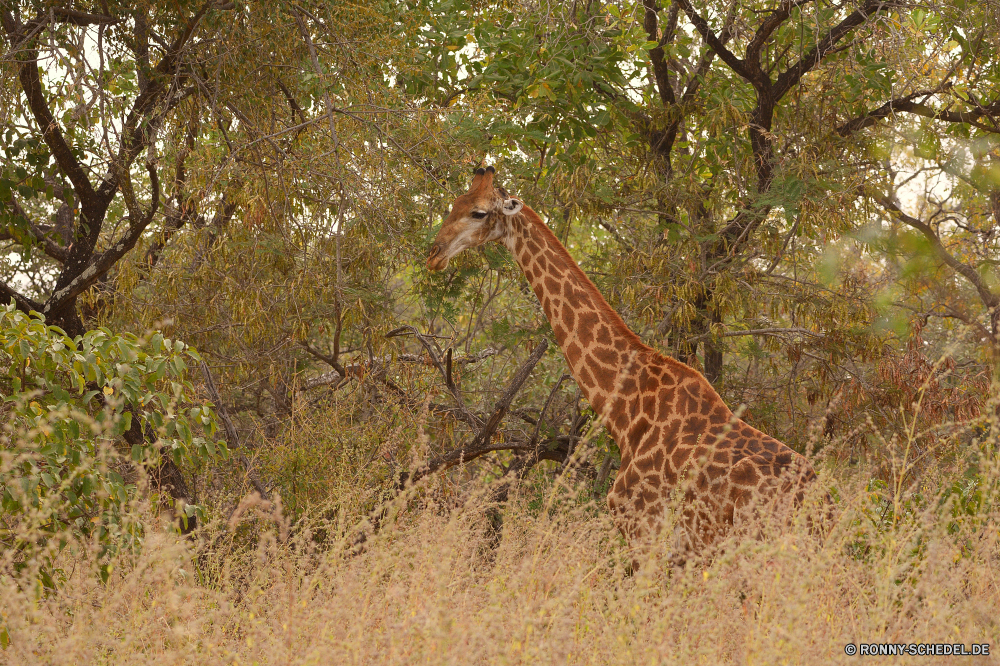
[431, 588]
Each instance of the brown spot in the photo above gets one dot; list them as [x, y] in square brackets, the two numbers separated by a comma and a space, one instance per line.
[638, 431]
[664, 401]
[650, 496]
[631, 477]
[586, 378]
[679, 457]
[620, 489]
[629, 387]
[573, 353]
[551, 285]
[649, 404]
[658, 458]
[696, 424]
[585, 327]
[744, 473]
[605, 356]
[604, 335]
[600, 373]
[672, 430]
[568, 317]
[715, 472]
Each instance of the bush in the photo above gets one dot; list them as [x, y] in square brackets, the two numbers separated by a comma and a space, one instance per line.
[66, 404]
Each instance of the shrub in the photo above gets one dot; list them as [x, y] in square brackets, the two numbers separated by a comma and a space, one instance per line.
[66, 404]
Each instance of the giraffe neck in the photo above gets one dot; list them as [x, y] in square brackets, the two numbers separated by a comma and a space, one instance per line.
[604, 355]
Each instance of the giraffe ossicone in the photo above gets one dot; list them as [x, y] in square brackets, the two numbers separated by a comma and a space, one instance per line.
[678, 439]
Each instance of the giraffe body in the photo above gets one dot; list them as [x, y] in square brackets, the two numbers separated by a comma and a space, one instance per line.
[675, 433]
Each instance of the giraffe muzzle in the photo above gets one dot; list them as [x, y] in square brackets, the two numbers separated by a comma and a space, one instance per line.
[435, 260]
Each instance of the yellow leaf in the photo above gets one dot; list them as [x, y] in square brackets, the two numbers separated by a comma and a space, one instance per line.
[108, 390]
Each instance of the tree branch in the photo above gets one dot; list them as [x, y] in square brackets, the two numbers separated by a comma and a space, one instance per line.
[990, 299]
[135, 134]
[714, 43]
[23, 303]
[907, 105]
[777, 331]
[231, 435]
[103, 262]
[790, 77]
[766, 29]
[51, 133]
[660, 70]
[467, 416]
[36, 233]
[480, 444]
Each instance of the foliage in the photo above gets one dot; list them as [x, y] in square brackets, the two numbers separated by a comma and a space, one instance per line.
[67, 404]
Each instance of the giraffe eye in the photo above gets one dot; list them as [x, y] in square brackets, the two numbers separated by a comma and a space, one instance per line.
[478, 214]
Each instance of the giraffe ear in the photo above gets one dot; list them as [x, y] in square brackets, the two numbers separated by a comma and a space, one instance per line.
[511, 206]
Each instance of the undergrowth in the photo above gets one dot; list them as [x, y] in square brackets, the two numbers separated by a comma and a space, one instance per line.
[430, 586]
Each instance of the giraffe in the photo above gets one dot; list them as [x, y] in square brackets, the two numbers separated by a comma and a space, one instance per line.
[678, 439]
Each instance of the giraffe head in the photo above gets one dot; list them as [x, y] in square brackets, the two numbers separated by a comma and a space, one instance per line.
[478, 216]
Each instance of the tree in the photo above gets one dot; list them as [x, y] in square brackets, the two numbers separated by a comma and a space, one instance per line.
[718, 155]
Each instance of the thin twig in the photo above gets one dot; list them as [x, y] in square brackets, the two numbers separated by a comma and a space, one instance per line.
[231, 434]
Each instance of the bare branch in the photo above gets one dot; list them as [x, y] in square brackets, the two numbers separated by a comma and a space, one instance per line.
[660, 69]
[907, 105]
[990, 299]
[429, 345]
[776, 331]
[23, 303]
[51, 132]
[231, 434]
[714, 43]
[76, 17]
[767, 28]
[37, 234]
[357, 369]
[481, 444]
